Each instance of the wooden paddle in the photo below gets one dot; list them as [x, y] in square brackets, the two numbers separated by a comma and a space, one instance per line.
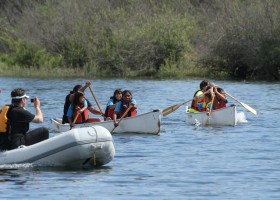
[128, 109]
[211, 108]
[75, 120]
[96, 100]
[252, 110]
[171, 109]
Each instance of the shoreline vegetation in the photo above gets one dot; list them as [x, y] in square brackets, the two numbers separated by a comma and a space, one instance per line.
[161, 39]
[70, 72]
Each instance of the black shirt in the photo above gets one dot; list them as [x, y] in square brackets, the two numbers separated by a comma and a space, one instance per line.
[19, 119]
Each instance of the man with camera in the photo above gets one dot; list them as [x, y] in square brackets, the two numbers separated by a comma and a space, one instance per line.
[19, 119]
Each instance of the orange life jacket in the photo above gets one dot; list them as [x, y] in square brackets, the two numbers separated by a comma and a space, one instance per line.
[4, 119]
[83, 117]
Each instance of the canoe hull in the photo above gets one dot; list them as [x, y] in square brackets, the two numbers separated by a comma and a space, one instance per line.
[222, 117]
[148, 123]
[92, 146]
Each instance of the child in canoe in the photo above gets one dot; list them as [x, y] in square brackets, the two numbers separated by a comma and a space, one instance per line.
[78, 111]
[220, 99]
[113, 101]
[208, 101]
[198, 97]
[126, 103]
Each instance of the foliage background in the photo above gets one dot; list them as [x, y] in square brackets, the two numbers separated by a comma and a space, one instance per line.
[141, 38]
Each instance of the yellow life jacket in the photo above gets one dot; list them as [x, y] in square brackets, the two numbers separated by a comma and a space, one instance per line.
[4, 119]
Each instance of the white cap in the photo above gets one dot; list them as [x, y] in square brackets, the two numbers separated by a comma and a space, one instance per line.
[20, 97]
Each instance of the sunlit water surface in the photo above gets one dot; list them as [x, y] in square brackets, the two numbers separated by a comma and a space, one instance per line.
[184, 162]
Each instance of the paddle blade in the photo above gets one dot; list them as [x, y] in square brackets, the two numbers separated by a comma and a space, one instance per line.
[252, 110]
[170, 109]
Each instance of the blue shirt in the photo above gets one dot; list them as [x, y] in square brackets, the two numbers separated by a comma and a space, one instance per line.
[110, 102]
[119, 105]
[70, 111]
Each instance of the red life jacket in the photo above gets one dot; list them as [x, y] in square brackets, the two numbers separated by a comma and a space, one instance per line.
[132, 112]
[83, 117]
[111, 112]
[219, 103]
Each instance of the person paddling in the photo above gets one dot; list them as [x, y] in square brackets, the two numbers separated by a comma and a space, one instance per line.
[113, 101]
[220, 99]
[69, 99]
[78, 111]
[198, 97]
[127, 102]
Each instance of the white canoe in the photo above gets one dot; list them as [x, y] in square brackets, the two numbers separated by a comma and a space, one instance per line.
[145, 123]
[84, 147]
[224, 116]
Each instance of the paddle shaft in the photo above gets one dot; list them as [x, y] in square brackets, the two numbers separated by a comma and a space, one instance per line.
[172, 108]
[95, 100]
[210, 111]
[75, 119]
[125, 113]
[252, 110]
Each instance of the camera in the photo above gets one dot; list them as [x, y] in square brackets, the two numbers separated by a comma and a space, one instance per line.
[32, 100]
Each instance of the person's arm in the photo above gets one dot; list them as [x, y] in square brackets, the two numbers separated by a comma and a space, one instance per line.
[87, 84]
[69, 114]
[81, 110]
[94, 111]
[115, 119]
[219, 95]
[116, 111]
[39, 115]
[133, 103]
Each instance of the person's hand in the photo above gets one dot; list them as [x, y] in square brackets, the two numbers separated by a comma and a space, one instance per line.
[72, 125]
[79, 111]
[88, 84]
[116, 124]
[37, 102]
[215, 89]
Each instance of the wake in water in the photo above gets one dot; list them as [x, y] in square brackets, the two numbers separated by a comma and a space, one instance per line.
[15, 166]
[241, 117]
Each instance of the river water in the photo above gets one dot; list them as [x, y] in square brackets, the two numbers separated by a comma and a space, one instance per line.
[184, 162]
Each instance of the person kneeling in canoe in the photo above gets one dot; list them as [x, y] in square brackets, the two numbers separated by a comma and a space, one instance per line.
[220, 99]
[208, 101]
[78, 111]
[111, 105]
[69, 99]
[125, 108]
[198, 97]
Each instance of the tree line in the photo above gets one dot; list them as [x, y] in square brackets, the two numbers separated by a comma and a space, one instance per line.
[236, 39]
